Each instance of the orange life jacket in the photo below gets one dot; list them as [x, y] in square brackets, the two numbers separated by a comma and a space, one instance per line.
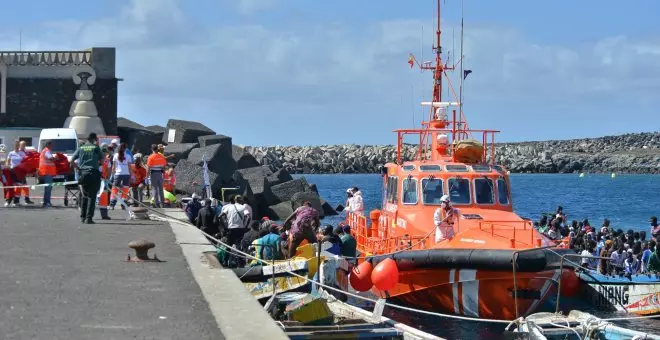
[46, 166]
[105, 168]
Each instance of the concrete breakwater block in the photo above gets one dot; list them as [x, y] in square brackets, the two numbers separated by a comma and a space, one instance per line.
[185, 131]
[217, 160]
[243, 159]
[254, 185]
[327, 209]
[280, 211]
[190, 179]
[180, 151]
[223, 140]
[280, 176]
[301, 197]
[141, 140]
[285, 191]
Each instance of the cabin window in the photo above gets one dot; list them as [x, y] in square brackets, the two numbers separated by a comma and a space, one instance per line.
[459, 190]
[408, 167]
[430, 168]
[392, 187]
[432, 191]
[502, 192]
[456, 168]
[483, 191]
[410, 191]
[498, 169]
[481, 168]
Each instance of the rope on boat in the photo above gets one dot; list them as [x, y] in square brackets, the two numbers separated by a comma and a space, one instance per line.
[391, 305]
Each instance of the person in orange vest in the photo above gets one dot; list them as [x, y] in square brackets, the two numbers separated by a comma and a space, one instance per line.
[169, 179]
[47, 171]
[104, 194]
[156, 164]
[138, 176]
[14, 158]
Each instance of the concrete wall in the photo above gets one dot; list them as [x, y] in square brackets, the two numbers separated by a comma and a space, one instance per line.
[38, 87]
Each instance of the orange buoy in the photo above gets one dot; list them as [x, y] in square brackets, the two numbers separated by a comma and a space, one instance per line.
[360, 277]
[386, 275]
[570, 284]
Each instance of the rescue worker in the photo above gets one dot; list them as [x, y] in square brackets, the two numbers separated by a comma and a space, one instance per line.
[169, 179]
[14, 158]
[444, 220]
[156, 164]
[138, 175]
[356, 203]
[47, 171]
[121, 170]
[89, 157]
[103, 194]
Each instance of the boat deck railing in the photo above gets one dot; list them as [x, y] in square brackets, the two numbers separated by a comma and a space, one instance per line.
[520, 233]
[377, 240]
[422, 153]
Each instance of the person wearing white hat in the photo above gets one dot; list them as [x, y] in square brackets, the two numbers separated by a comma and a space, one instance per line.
[443, 219]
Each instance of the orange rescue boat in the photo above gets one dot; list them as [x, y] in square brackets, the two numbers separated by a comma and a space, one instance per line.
[496, 265]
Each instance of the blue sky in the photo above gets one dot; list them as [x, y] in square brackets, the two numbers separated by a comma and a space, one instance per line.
[270, 72]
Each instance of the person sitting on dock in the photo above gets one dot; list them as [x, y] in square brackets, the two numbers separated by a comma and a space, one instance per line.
[303, 223]
[348, 242]
[206, 219]
[443, 218]
[192, 209]
[250, 236]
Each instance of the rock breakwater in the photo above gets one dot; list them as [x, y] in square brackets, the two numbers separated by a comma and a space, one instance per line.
[629, 153]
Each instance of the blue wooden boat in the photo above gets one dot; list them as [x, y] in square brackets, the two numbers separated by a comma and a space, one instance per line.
[637, 294]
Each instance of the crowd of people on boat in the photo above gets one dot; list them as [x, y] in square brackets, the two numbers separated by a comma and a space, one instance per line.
[608, 250]
[233, 224]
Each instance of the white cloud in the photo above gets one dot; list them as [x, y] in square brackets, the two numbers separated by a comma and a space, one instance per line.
[332, 70]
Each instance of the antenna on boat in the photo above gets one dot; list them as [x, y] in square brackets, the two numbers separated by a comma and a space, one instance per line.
[460, 96]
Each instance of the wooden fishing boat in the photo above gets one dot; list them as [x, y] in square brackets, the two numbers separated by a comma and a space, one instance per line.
[496, 265]
[638, 294]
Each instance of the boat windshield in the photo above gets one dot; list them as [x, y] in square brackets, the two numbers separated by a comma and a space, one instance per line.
[502, 191]
[432, 191]
[459, 190]
[483, 191]
[410, 191]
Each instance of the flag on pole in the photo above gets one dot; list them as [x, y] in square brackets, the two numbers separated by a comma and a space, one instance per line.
[207, 181]
[466, 73]
[411, 60]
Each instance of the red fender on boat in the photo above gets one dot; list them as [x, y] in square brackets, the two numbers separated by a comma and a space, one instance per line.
[360, 277]
[386, 275]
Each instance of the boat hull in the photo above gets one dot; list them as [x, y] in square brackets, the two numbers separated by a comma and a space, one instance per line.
[639, 294]
[473, 292]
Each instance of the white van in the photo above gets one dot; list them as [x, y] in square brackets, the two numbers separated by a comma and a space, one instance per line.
[65, 141]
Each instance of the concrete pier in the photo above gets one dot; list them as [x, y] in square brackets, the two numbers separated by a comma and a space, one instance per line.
[60, 279]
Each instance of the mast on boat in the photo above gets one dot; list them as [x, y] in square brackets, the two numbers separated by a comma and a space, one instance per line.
[439, 124]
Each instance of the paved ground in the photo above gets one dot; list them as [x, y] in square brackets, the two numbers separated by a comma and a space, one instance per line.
[60, 279]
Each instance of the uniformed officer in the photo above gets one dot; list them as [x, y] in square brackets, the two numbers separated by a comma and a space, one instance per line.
[89, 158]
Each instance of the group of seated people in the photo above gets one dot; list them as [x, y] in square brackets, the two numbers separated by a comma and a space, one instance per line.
[233, 224]
[613, 252]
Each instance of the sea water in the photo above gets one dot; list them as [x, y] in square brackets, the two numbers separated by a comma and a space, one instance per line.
[626, 200]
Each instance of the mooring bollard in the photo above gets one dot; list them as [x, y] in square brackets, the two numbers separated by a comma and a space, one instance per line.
[141, 248]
